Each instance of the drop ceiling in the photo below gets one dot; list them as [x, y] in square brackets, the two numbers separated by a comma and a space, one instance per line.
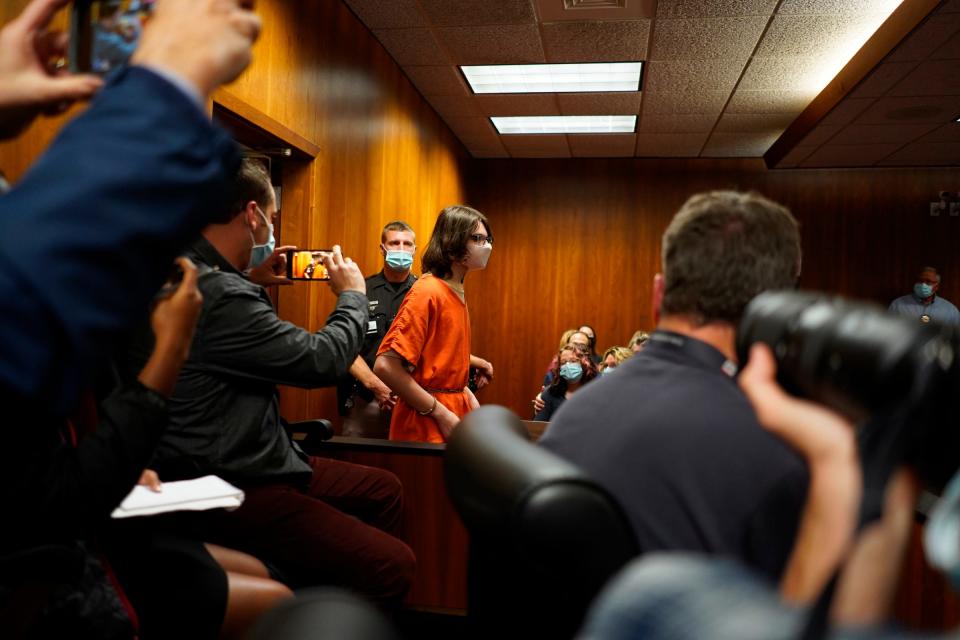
[722, 78]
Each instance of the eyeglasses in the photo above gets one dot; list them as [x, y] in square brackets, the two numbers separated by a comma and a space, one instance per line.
[481, 239]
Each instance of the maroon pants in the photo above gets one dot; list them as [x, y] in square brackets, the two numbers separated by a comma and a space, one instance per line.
[340, 530]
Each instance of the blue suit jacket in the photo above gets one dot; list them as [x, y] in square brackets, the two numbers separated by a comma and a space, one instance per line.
[88, 236]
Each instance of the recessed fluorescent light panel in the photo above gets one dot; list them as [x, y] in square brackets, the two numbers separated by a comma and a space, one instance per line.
[554, 78]
[564, 124]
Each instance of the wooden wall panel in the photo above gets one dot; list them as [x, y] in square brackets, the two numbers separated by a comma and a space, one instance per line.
[578, 241]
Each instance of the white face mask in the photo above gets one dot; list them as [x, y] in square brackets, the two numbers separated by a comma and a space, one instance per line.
[477, 257]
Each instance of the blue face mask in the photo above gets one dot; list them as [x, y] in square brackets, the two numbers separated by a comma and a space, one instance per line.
[922, 290]
[571, 371]
[260, 252]
[399, 260]
[609, 370]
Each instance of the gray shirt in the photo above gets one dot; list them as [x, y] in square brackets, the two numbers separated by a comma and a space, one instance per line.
[939, 310]
[224, 412]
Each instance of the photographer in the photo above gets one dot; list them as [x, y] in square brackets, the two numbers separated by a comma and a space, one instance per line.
[318, 520]
[680, 596]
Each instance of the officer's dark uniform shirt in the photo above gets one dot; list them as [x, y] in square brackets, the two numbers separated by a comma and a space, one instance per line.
[673, 438]
[384, 299]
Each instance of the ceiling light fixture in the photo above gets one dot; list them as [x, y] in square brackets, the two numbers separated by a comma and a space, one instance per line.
[512, 125]
[554, 78]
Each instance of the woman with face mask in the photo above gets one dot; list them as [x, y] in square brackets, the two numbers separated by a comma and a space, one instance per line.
[574, 369]
[425, 356]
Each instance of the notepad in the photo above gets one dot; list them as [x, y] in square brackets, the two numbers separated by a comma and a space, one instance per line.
[208, 492]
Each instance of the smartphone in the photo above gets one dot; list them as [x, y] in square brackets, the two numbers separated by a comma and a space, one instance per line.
[307, 264]
[105, 33]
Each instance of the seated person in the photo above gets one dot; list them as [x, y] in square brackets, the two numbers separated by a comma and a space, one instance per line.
[613, 358]
[574, 368]
[638, 341]
[319, 521]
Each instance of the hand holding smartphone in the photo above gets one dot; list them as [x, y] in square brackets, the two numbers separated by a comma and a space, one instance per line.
[308, 264]
[105, 33]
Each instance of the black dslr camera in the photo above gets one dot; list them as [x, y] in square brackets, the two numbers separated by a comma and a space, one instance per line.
[895, 377]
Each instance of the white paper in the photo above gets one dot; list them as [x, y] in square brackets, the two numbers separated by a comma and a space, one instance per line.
[200, 494]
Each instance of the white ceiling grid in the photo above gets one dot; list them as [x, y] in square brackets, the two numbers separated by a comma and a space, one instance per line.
[722, 78]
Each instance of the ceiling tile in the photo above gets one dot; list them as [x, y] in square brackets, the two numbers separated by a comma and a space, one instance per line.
[925, 154]
[837, 7]
[670, 145]
[926, 39]
[896, 111]
[534, 146]
[688, 75]
[377, 14]
[609, 145]
[504, 44]
[539, 104]
[845, 111]
[677, 123]
[768, 101]
[554, 11]
[879, 81]
[881, 133]
[472, 130]
[773, 74]
[688, 101]
[437, 80]
[795, 157]
[614, 41]
[455, 106]
[949, 132]
[467, 13]
[706, 38]
[585, 104]
[753, 122]
[412, 46]
[488, 152]
[860, 155]
[799, 36]
[739, 145]
[820, 135]
[949, 51]
[714, 8]
[931, 78]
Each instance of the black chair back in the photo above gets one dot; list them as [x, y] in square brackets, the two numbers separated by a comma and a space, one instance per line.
[543, 537]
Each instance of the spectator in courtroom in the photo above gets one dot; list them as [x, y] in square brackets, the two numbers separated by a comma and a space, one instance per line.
[575, 368]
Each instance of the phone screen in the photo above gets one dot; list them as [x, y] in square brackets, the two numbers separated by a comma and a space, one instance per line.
[307, 264]
[105, 33]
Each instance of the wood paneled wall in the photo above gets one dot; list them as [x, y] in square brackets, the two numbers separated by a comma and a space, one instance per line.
[578, 241]
[384, 153]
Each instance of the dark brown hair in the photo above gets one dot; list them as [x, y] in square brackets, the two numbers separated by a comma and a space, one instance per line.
[722, 249]
[251, 182]
[448, 242]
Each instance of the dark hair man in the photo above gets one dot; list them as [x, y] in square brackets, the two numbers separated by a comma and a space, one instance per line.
[680, 447]
[316, 520]
[923, 303]
[365, 401]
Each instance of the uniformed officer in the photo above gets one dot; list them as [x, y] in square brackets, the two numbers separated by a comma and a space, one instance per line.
[365, 401]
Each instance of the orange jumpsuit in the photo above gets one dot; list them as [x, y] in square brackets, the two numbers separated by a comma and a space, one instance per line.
[432, 333]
